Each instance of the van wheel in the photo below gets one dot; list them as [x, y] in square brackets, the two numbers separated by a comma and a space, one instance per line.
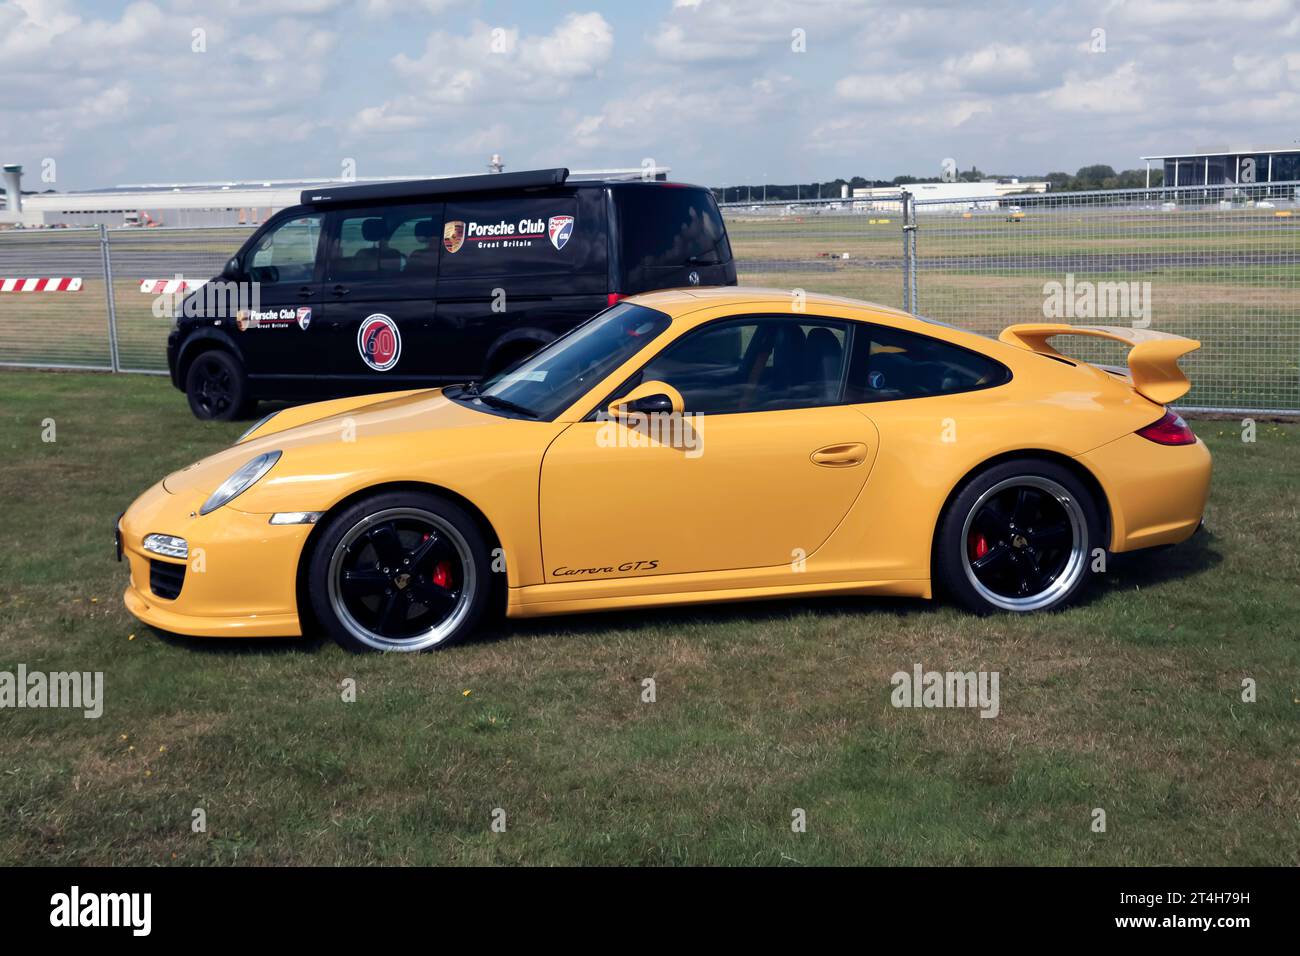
[217, 387]
[400, 571]
[1018, 537]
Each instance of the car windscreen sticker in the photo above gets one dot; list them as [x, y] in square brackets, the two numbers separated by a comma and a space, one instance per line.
[379, 342]
[560, 228]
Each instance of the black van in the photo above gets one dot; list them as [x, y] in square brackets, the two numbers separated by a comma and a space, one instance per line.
[387, 286]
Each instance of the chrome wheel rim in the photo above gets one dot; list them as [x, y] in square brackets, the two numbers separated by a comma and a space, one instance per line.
[402, 579]
[1025, 543]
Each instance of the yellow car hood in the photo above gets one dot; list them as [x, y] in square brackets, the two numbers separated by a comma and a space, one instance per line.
[336, 423]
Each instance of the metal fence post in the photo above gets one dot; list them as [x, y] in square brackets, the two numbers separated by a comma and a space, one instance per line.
[909, 254]
[108, 294]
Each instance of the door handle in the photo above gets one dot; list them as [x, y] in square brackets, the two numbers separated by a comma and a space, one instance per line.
[840, 456]
[304, 292]
[340, 290]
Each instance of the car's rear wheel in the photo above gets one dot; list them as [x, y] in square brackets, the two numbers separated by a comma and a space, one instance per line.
[217, 387]
[1018, 537]
[400, 572]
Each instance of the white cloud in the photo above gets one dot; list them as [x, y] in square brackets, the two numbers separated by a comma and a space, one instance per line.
[490, 65]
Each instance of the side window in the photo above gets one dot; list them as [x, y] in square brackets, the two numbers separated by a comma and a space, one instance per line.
[890, 364]
[288, 252]
[755, 365]
[384, 242]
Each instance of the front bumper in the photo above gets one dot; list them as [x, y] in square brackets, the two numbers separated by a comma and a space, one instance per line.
[240, 578]
[1157, 493]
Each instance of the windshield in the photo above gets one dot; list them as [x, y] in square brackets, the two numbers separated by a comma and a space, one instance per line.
[548, 382]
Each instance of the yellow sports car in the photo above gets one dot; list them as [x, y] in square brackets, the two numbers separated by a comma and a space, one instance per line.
[683, 446]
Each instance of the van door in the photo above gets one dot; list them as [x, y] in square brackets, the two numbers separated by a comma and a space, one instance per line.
[282, 268]
[516, 272]
[377, 328]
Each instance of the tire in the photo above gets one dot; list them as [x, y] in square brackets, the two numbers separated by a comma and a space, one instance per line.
[217, 387]
[1018, 537]
[377, 583]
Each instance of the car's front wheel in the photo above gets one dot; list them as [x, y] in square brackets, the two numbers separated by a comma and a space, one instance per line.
[400, 572]
[1018, 537]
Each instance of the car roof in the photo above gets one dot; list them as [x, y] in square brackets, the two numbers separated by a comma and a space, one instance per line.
[676, 302]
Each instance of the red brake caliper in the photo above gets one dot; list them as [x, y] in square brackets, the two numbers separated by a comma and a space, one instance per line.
[979, 546]
[441, 571]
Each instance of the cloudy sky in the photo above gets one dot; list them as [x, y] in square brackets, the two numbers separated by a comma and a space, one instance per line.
[723, 91]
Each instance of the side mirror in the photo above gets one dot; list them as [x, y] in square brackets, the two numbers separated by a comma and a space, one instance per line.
[648, 398]
[231, 269]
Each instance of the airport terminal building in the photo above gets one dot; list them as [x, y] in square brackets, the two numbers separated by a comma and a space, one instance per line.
[1228, 167]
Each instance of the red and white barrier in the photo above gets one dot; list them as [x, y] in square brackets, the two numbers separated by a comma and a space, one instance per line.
[40, 284]
[170, 286]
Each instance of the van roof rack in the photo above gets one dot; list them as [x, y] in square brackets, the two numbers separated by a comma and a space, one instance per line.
[485, 182]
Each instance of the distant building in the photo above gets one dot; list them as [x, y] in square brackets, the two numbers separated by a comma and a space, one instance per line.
[982, 195]
[204, 204]
[1236, 166]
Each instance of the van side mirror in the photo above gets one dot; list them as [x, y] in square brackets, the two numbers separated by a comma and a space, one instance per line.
[648, 398]
[231, 269]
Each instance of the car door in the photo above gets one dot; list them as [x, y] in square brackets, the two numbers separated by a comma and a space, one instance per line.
[760, 470]
[285, 293]
[380, 279]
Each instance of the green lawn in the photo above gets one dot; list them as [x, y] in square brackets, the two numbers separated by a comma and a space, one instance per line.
[1130, 703]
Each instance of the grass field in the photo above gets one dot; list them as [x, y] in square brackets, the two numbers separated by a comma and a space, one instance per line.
[1130, 703]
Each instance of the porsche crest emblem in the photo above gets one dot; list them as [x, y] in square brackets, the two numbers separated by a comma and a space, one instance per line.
[453, 235]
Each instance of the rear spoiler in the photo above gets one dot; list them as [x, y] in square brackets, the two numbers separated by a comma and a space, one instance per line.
[1152, 363]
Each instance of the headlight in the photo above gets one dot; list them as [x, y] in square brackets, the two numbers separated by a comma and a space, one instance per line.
[240, 481]
[257, 425]
[167, 545]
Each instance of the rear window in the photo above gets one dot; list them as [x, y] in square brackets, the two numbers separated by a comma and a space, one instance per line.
[890, 364]
[667, 227]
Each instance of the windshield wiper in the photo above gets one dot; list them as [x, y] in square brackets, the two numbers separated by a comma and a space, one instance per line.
[496, 401]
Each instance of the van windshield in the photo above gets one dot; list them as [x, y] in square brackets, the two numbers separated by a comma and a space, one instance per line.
[551, 380]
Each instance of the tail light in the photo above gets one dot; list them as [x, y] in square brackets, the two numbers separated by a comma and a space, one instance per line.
[1170, 430]
[614, 298]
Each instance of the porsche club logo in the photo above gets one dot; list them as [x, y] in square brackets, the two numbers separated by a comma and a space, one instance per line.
[379, 342]
[304, 318]
[559, 228]
[453, 235]
[507, 235]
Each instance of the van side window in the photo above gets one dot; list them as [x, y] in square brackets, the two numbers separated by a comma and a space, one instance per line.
[383, 243]
[890, 364]
[288, 252]
[755, 365]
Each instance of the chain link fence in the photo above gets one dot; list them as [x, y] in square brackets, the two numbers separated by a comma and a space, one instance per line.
[839, 247]
[1220, 264]
[113, 311]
